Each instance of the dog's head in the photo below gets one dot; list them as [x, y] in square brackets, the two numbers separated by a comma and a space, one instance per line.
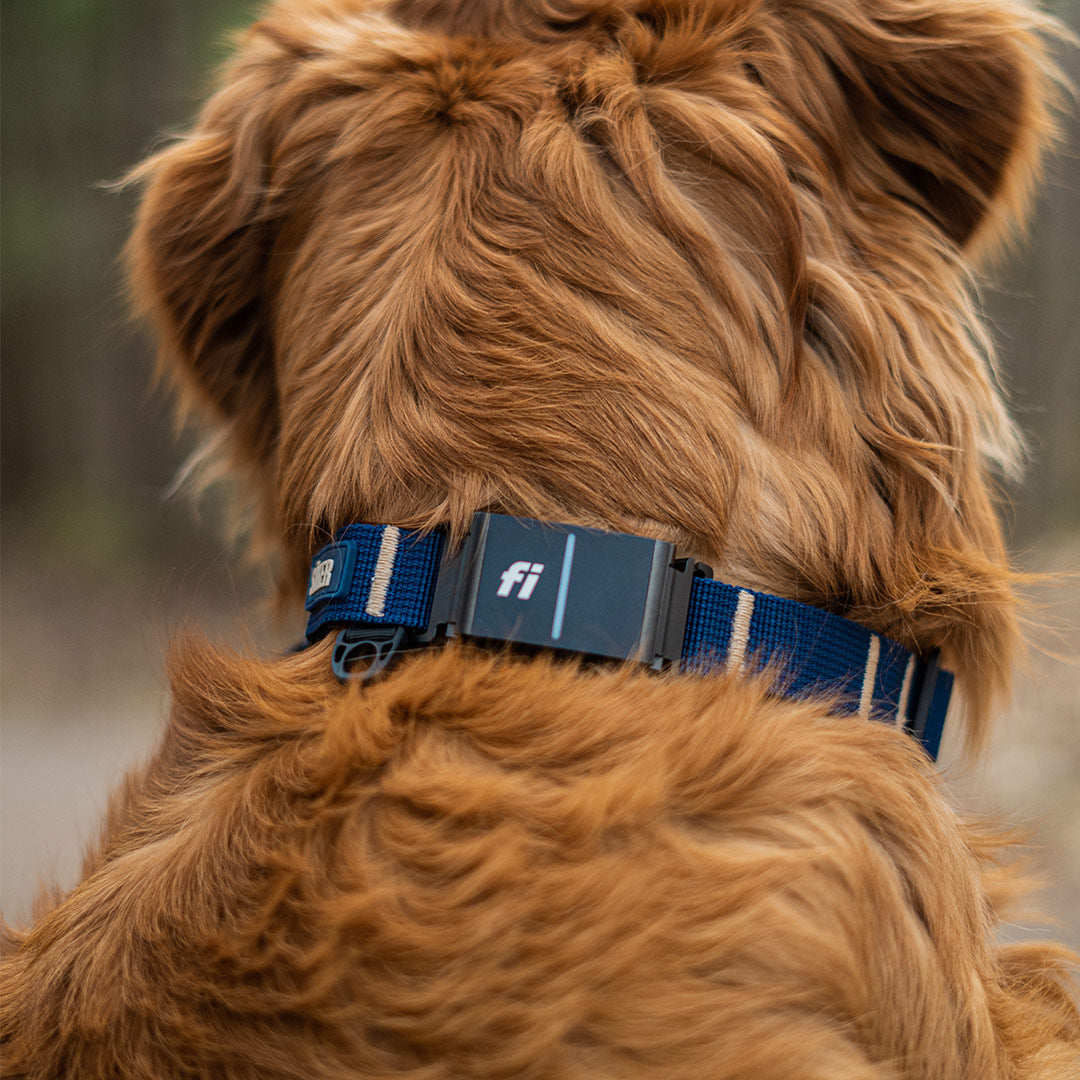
[695, 268]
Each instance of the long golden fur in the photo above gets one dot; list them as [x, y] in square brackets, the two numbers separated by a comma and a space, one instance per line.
[698, 269]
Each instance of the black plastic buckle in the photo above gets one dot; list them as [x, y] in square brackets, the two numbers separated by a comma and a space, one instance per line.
[378, 645]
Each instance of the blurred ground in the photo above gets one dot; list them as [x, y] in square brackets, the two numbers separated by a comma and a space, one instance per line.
[84, 698]
[82, 688]
[1030, 776]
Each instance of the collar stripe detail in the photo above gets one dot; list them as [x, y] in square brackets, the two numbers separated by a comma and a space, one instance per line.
[740, 630]
[812, 651]
[866, 697]
[384, 567]
[905, 693]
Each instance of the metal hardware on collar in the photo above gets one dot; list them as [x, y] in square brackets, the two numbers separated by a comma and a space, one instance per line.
[603, 595]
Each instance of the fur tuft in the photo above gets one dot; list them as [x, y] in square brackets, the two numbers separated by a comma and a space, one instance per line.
[487, 867]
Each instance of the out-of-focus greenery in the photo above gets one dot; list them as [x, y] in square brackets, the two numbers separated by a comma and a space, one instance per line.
[89, 85]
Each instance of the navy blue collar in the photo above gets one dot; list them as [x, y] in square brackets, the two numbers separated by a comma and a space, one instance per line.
[604, 595]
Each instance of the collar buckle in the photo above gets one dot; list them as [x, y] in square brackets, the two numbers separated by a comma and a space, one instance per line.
[378, 646]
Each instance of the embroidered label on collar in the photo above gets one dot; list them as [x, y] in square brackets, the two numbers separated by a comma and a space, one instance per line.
[331, 574]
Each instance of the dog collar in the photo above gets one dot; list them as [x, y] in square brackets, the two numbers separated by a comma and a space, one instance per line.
[603, 595]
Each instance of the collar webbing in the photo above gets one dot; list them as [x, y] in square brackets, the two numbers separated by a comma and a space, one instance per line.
[606, 595]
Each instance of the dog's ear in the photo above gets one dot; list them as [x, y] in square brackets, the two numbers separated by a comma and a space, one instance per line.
[198, 255]
[952, 95]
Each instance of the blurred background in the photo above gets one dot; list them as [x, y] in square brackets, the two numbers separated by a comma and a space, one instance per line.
[101, 565]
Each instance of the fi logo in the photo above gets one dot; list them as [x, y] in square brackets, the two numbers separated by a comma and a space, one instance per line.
[521, 571]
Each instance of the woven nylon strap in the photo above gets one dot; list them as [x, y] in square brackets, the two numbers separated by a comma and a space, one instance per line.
[393, 578]
[391, 575]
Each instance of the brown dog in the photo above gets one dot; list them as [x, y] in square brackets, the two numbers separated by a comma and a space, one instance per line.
[694, 269]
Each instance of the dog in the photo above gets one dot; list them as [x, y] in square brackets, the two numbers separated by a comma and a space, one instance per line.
[698, 271]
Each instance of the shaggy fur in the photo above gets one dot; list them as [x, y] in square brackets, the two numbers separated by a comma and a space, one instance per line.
[692, 268]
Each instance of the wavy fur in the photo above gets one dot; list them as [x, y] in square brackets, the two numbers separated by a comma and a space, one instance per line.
[694, 268]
